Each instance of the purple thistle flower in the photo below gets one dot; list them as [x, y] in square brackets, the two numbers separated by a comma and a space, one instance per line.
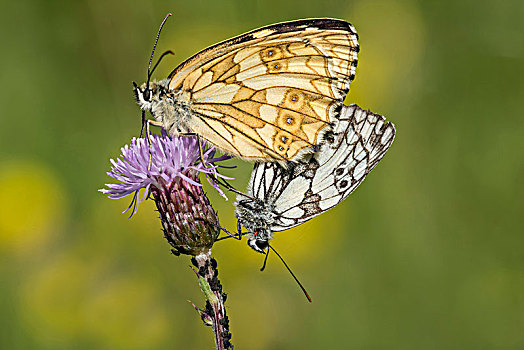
[168, 168]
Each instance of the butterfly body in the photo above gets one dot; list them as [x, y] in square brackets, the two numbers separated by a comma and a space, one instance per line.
[280, 198]
[270, 94]
[171, 108]
[258, 217]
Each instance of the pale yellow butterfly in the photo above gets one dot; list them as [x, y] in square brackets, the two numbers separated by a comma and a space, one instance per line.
[268, 95]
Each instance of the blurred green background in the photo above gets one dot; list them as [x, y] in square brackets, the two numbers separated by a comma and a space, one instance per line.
[427, 253]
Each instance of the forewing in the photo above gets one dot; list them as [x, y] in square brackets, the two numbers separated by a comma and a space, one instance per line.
[266, 179]
[359, 141]
[272, 92]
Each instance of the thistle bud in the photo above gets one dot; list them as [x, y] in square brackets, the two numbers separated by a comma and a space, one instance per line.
[168, 168]
[189, 222]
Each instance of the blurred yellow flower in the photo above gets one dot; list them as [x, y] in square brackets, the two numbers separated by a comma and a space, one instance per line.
[79, 294]
[32, 205]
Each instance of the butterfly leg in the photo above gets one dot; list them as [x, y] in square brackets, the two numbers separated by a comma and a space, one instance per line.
[230, 187]
[239, 237]
[200, 148]
[239, 229]
[148, 129]
[222, 182]
[219, 181]
[143, 121]
[229, 234]
[147, 123]
[148, 137]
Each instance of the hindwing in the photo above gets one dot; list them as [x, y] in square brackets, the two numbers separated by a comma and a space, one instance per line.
[358, 142]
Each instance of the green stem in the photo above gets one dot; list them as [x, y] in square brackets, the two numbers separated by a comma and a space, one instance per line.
[214, 313]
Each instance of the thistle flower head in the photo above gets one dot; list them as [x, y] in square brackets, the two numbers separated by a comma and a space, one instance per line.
[168, 168]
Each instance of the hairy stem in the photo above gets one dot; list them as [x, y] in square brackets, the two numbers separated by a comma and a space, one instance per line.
[214, 313]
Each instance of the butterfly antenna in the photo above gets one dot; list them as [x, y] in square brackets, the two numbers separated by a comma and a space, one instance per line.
[154, 47]
[265, 261]
[168, 52]
[291, 272]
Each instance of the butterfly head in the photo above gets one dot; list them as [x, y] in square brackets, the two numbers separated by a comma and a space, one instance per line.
[259, 241]
[144, 95]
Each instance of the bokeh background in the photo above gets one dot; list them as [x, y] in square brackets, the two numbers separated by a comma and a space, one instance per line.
[426, 253]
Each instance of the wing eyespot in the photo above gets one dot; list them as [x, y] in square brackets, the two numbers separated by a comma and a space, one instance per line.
[289, 121]
[276, 67]
[271, 54]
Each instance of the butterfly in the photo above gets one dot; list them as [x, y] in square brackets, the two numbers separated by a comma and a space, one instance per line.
[279, 198]
[268, 95]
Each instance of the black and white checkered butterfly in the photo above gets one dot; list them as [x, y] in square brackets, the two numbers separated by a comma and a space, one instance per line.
[280, 198]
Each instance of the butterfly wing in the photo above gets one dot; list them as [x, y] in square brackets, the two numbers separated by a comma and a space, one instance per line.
[359, 141]
[272, 92]
[266, 179]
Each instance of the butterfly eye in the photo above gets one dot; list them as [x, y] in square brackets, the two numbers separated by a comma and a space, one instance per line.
[146, 94]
